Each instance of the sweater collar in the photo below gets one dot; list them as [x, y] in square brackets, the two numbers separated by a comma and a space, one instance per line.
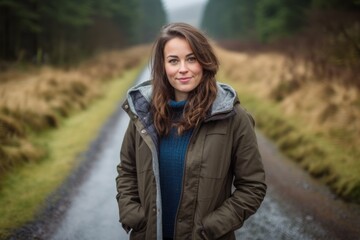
[175, 104]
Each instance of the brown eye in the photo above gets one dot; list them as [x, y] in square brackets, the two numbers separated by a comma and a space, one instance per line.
[173, 61]
[192, 59]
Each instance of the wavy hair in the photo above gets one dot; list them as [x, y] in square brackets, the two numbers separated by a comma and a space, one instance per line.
[201, 98]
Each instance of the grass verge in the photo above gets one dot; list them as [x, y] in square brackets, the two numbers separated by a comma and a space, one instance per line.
[318, 153]
[25, 188]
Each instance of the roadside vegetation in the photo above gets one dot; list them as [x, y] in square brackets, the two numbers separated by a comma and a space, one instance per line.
[47, 118]
[32, 102]
[315, 125]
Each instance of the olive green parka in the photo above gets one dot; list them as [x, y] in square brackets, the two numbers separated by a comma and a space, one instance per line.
[223, 179]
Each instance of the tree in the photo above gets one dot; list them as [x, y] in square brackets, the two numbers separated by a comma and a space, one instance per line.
[152, 17]
[279, 18]
[66, 30]
[16, 19]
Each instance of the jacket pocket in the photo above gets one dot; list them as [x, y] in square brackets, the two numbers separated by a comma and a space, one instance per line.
[143, 156]
[133, 216]
[216, 155]
[211, 191]
[139, 234]
[216, 151]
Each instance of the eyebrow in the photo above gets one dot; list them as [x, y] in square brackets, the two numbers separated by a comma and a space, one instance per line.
[175, 56]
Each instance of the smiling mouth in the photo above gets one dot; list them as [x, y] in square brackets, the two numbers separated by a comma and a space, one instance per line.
[184, 79]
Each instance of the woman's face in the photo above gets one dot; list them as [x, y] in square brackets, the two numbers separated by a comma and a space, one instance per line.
[183, 70]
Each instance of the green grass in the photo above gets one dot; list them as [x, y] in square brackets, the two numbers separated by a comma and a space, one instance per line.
[318, 153]
[25, 188]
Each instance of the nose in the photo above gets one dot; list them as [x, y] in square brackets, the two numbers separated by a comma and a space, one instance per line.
[183, 68]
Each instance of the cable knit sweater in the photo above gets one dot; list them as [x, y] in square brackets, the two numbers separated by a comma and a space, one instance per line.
[172, 155]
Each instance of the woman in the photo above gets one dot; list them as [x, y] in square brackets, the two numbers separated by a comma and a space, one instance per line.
[190, 166]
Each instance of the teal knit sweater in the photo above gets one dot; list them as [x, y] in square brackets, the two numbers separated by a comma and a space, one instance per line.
[171, 157]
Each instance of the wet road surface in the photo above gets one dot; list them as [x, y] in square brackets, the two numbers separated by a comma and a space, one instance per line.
[93, 214]
[295, 207]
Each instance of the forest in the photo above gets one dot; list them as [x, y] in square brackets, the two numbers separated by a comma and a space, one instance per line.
[65, 31]
[325, 33]
[266, 20]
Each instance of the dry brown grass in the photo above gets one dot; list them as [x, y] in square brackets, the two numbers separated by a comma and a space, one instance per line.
[324, 104]
[317, 122]
[33, 101]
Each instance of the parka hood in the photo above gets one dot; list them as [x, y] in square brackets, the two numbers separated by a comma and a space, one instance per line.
[225, 99]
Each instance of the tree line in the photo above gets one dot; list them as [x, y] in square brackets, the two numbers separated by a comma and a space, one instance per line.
[325, 34]
[63, 31]
[266, 20]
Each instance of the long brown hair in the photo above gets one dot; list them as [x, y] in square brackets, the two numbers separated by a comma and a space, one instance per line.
[201, 98]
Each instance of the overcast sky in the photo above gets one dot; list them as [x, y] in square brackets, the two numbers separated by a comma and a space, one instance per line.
[171, 4]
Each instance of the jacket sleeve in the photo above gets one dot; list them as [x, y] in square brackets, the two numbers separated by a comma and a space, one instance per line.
[249, 180]
[132, 214]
